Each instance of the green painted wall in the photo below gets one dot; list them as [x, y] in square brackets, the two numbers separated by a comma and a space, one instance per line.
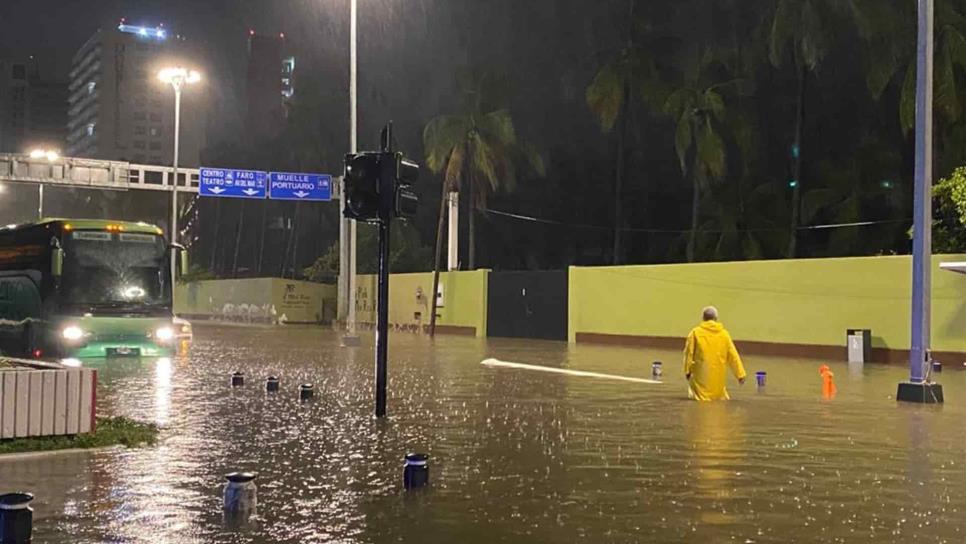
[297, 301]
[464, 299]
[789, 301]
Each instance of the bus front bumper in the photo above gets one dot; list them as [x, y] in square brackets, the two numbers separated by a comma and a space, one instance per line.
[120, 349]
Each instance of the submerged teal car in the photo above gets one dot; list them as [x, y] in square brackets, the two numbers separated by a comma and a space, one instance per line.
[86, 288]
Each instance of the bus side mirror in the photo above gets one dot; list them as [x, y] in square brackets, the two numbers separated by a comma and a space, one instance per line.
[57, 262]
[183, 262]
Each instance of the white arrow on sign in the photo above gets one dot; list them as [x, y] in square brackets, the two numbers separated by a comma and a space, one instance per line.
[301, 194]
[217, 190]
[250, 192]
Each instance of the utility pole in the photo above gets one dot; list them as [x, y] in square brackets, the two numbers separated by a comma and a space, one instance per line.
[920, 388]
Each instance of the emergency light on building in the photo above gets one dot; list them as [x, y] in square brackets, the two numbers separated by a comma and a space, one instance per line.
[158, 33]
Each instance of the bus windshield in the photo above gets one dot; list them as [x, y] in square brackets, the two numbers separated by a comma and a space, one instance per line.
[126, 271]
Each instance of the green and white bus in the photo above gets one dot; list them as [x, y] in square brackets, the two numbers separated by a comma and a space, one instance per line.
[73, 289]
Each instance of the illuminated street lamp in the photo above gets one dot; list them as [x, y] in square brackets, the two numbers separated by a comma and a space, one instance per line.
[51, 155]
[177, 77]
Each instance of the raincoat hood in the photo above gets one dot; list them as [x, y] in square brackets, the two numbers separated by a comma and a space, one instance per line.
[712, 326]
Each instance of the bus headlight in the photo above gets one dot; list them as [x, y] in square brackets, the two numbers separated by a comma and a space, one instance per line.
[164, 334]
[72, 333]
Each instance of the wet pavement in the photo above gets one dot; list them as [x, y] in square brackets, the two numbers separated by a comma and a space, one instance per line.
[516, 455]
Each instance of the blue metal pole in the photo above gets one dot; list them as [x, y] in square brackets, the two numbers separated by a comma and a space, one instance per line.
[922, 202]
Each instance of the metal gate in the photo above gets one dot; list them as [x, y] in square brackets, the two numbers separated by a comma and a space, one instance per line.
[527, 305]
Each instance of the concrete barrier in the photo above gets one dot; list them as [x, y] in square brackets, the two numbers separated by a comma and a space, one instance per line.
[47, 401]
[268, 301]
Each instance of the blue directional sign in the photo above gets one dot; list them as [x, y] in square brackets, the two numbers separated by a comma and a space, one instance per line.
[309, 187]
[225, 182]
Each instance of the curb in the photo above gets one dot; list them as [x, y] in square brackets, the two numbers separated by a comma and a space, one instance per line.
[26, 455]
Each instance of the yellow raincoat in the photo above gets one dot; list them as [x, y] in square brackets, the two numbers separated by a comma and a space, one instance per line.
[708, 353]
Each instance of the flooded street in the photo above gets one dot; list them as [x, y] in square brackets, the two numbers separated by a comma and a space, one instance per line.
[516, 455]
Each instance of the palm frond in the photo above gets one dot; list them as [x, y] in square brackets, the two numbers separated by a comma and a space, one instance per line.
[907, 99]
[497, 126]
[605, 95]
[454, 167]
[710, 151]
[783, 28]
[682, 141]
[441, 136]
[484, 160]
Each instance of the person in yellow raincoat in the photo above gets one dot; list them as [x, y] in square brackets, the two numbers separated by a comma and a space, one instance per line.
[708, 354]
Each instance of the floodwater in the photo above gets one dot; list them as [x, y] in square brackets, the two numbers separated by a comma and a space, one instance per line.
[517, 455]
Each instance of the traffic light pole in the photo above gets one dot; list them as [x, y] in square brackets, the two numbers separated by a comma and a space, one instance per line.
[378, 188]
[382, 319]
[382, 311]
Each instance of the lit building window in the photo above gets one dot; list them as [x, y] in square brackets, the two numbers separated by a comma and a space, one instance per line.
[288, 71]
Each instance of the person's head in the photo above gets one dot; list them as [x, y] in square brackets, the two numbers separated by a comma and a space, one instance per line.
[710, 313]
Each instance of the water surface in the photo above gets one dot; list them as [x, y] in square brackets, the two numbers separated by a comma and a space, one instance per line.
[517, 456]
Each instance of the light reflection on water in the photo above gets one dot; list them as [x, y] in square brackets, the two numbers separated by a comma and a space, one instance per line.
[517, 456]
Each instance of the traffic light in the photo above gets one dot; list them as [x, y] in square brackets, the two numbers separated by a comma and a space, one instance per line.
[361, 186]
[378, 186]
[407, 201]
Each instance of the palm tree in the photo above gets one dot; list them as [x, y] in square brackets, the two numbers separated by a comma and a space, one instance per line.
[628, 77]
[478, 153]
[698, 109]
[803, 30]
[890, 32]
[741, 225]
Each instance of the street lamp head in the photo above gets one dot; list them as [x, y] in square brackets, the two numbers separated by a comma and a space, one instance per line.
[179, 76]
[49, 154]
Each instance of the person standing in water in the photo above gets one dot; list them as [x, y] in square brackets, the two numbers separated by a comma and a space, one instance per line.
[708, 353]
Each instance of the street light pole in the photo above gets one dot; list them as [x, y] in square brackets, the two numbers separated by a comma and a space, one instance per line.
[51, 155]
[919, 388]
[177, 78]
[347, 248]
[178, 84]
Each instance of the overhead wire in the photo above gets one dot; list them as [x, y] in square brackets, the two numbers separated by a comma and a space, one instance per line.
[532, 219]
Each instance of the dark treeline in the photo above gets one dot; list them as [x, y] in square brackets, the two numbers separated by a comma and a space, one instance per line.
[630, 131]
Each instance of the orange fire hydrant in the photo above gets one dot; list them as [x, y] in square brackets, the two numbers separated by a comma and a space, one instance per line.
[828, 382]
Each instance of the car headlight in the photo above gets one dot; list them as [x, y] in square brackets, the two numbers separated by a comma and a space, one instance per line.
[72, 333]
[164, 334]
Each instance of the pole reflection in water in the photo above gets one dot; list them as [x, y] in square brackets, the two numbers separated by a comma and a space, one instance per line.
[162, 390]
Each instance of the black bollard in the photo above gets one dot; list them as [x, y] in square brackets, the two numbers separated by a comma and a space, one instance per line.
[416, 470]
[241, 496]
[16, 518]
[937, 366]
[306, 391]
[657, 370]
[237, 379]
[272, 384]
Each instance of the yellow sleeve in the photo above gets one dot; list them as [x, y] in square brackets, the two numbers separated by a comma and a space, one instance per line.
[734, 360]
[689, 353]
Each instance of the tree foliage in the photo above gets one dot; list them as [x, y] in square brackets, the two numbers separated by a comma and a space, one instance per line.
[949, 226]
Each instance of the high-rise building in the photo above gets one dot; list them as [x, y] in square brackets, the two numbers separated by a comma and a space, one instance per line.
[33, 110]
[119, 109]
[13, 105]
[270, 84]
